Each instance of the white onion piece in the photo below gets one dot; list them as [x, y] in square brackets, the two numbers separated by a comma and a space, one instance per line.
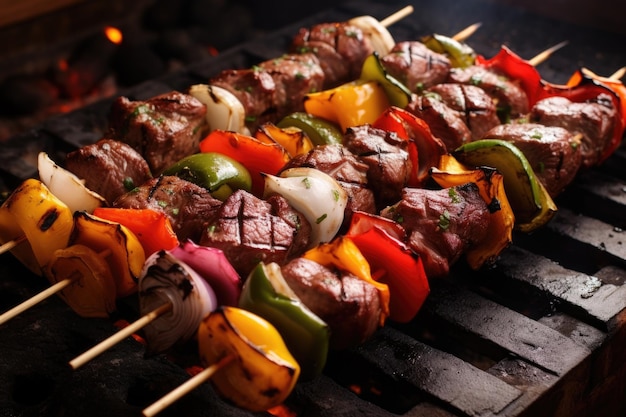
[224, 111]
[379, 36]
[316, 195]
[67, 187]
[166, 279]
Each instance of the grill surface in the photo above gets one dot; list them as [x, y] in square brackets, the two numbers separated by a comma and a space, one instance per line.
[541, 333]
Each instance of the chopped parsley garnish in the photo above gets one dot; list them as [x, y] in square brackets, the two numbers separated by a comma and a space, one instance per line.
[453, 195]
[129, 184]
[321, 218]
[444, 220]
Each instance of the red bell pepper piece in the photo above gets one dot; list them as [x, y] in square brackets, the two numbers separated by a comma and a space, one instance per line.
[256, 155]
[391, 262]
[424, 148]
[152, 228]
[515, 68]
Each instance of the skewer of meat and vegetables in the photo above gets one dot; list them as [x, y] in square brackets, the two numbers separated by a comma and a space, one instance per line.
[294, 207]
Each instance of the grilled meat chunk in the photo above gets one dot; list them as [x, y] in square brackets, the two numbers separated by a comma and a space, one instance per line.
[295, 75]
[594, 122]
[553, 152]
[509, 98]
[256, 90]
[442, 224]
[341, 48]
[472, 103]
[444, 122]
[250, 230]
[350, 172]
[163, 129]
[189, 207]
[387, 157]
[416, 66]
[349, 305]
[108, 167]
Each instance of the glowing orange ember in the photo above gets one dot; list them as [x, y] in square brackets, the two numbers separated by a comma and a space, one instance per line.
[113, 34]
[62, 65]
[281, 411]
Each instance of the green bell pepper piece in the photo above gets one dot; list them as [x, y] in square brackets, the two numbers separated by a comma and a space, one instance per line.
[320, 131]
[218, 173]
[460, 54]
[266, 294]
[397, 93]
[532, 205]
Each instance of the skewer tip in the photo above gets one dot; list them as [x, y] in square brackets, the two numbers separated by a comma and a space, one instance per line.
[397, 16]
[544, 55]
[619, 74]
[467, 32]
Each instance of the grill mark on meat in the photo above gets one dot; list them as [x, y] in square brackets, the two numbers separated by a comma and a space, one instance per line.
[153, 189]
[248, 230]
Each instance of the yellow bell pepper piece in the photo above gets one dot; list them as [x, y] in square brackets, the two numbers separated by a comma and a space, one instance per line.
[33, 212]
[342, 253]
[352, 104]
[92, 291]
[294, 140]
[127, 256]
[263, 372]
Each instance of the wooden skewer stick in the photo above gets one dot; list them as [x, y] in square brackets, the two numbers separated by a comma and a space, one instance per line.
[48, 292]
[119, 336]
[619, 74]
[467, 32]
[12, 244]
[542, 56]
[615, 76]
[397, 16]
[59, 286]
[185, 388]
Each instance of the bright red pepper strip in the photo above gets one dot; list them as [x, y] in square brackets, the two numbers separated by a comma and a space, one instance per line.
[392, 262]
[517, 69]
[424, 148]
[256, 155]
[152, 228]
